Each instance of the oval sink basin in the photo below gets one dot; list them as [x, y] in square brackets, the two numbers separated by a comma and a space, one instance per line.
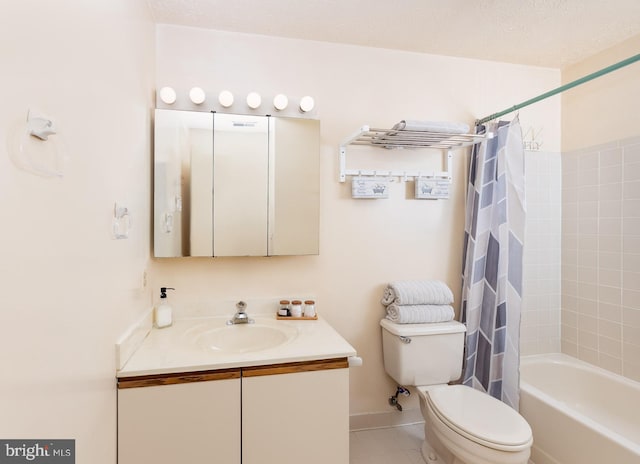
[244, 338]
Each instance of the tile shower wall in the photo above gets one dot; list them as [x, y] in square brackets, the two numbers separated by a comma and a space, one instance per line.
[601, 256]
[540, 327]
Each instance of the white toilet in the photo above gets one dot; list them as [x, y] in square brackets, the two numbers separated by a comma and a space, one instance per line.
[462, 425]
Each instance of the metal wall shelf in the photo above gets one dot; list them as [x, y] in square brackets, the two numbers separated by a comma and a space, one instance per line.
[406, 139]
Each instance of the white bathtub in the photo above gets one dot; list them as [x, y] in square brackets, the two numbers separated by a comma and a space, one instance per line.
[579, 413]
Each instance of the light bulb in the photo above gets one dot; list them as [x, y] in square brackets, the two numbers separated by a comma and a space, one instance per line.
[280, 102]
[306, 104]
[225, 98]
[197, 95]
[168, 95]
[254, 100]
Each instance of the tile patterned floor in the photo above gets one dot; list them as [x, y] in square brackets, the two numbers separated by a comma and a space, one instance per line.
[393, 445]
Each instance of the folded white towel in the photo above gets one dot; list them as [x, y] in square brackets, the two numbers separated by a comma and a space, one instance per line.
[419, 314]
[415, 292]
[432, 126]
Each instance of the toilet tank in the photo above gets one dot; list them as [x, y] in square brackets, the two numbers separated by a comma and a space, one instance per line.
[423, 354]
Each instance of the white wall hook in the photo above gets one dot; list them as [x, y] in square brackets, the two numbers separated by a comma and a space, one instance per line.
[121, 222]
[28, 150]
[120, 211]
[39, 125]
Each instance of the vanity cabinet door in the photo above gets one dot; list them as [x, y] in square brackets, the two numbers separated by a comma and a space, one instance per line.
[295, 418]
[186, 423]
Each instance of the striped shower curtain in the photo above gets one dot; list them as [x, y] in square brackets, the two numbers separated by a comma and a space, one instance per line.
[492, 266]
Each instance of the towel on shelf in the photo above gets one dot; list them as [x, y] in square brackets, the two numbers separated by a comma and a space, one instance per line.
[432, 126]
[417, 292]
[419, 314]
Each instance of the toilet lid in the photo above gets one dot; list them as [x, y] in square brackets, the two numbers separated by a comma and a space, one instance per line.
[479, 416]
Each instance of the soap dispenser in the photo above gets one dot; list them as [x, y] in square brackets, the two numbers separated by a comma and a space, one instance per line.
[164, 317]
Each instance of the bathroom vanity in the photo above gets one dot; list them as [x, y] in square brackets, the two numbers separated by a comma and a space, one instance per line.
[191, 394]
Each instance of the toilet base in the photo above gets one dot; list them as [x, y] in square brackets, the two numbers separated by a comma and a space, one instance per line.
[433, 451]
[430, 455]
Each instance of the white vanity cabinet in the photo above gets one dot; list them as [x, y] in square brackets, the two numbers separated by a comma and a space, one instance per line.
[279, 414]
[295, 417]
[186, 422]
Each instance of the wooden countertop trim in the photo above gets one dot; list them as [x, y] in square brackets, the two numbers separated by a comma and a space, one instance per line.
[295, 367]
[236, 373]
[181, 377]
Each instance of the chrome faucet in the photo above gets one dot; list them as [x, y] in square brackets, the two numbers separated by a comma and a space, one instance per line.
[240, 317]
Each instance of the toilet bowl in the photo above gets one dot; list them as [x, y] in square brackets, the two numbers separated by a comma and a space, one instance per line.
[462, 425]
[467, 426]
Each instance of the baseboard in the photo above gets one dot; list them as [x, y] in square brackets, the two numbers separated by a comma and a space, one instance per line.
[378, 420]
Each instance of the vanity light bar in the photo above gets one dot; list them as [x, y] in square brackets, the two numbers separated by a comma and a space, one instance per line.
[167, 96]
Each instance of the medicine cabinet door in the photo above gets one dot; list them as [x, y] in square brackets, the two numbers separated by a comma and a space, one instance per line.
[295, 206]
[240, 185]
[183, 206]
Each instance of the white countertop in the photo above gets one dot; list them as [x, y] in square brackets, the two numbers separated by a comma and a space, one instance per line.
[175, 349]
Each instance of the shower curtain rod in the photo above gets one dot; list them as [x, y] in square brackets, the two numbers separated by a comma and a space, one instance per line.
[562, 88]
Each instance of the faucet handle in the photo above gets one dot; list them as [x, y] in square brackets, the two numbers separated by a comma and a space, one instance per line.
[241, 305]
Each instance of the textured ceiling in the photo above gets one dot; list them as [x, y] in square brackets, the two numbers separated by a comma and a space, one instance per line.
[549, 33]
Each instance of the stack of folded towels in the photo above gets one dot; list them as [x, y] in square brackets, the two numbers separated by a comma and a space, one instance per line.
[418, 301]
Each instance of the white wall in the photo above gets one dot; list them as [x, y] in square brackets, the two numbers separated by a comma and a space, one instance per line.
[363, 243]
[68, 289]
[604, 109]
